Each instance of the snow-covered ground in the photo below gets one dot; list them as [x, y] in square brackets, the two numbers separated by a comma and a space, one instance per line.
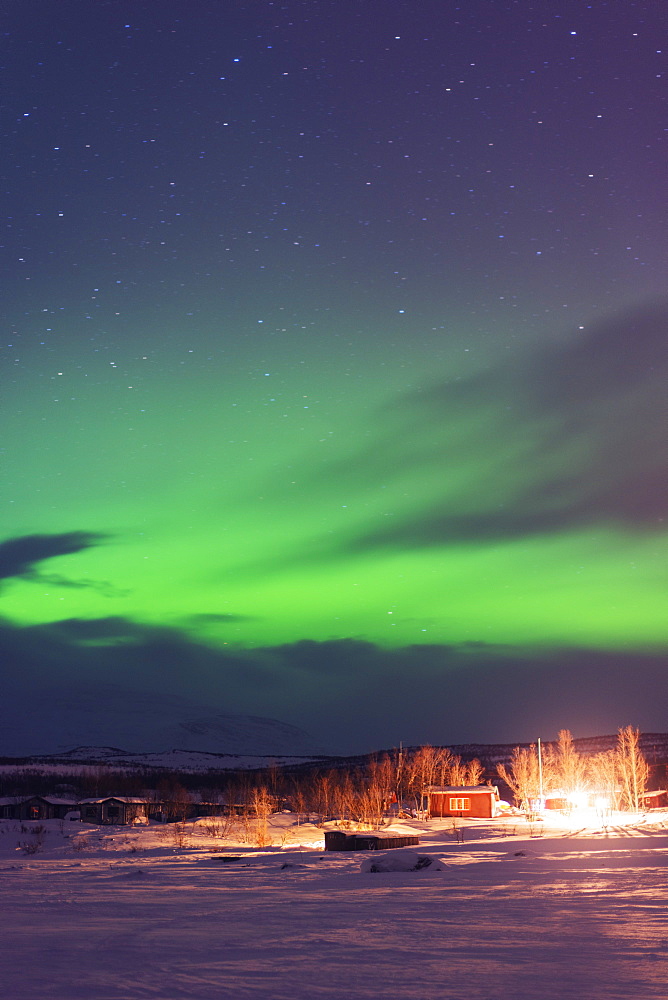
[513, 912]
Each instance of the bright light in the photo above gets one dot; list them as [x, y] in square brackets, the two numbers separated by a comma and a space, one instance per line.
[578, 800]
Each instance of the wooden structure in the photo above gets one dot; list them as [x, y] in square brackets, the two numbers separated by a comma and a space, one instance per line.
[114, 810]
[10, 806]
[337, 840]
[41, 807]
[557, 802]
[655, 800]
[479, 801]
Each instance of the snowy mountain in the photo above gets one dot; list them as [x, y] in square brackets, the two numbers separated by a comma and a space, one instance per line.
[51, 722]
[183, 761]
[256, 743]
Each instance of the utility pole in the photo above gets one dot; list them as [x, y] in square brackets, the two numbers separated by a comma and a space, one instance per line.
[540, 774]
[399, 774]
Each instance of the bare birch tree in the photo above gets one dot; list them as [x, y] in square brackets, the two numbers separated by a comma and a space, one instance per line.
[323, 794]
[262, 805]
[564, 769]
[474, 772]
[603, 775]
[422, 770]
[443, 766]
[458, 772]
[632, 768]
[522, 777]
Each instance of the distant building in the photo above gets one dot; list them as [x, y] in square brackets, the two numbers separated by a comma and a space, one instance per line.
[478, 801]
[10, 806]
[45, 807]
[655, 800]
[558, 802]
[113, 810]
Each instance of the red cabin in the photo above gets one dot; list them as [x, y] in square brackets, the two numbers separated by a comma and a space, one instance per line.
[479, 801]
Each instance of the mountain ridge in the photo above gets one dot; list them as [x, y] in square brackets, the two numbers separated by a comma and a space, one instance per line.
[654, 746]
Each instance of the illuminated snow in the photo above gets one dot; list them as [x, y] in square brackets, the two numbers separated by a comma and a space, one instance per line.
[511, 914]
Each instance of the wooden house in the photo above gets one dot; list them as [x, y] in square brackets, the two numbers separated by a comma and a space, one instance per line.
[479, 801]
[115, 810]
[10, 806]
[655, 800]
[41, 807]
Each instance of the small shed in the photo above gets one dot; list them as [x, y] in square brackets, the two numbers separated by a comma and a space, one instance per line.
[655, 800]
[478, 801]
[556, 802]
[337, 840]
[115, 810]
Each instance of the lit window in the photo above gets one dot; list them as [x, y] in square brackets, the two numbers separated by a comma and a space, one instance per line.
[460, 805]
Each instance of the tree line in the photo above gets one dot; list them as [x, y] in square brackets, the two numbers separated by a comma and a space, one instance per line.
[361, 793]
[367, 790]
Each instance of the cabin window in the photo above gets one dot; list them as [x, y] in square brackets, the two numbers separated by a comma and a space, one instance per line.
[113, 812]
[460, 805]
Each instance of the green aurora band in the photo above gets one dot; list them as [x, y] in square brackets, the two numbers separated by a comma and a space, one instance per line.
[256, 504]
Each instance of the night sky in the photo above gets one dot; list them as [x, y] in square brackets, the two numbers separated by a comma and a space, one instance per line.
[334, 362]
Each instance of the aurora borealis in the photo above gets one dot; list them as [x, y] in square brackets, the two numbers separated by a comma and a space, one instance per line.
[334, 362]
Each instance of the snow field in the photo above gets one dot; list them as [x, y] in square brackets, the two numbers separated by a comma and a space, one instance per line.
[133, 915]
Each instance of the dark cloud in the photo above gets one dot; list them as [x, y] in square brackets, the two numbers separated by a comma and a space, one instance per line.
[616, 356]
[350, 695]
[577, 434]
[102, 587]
[130, 652]
[83, 630]
[19, 556]
[195, 621]
[564, 437]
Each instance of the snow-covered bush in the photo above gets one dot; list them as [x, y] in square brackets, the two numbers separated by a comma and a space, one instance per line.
[402, 861]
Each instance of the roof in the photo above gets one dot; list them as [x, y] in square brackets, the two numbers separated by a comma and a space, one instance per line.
[114, 798]
[53, 800]
[460, 789]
